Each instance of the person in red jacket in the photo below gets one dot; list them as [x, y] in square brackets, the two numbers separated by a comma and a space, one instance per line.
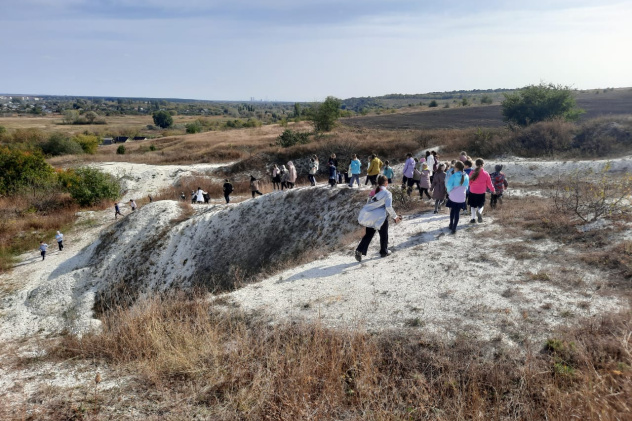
[480, 182]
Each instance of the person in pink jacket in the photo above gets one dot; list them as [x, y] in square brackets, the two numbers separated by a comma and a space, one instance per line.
[480, 182]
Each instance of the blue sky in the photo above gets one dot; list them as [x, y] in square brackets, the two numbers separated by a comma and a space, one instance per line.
[306, 50]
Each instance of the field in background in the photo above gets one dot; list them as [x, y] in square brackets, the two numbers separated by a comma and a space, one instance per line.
[596, 104]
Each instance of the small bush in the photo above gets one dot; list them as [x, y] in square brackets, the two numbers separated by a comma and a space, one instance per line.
[433, 104]
[152, 147]
[89, 186]
[290, 138]
[88, 143]
[486, 99]
[22, 169]
[195, 127]
[58, 144]
[120, 150]
[588, 195]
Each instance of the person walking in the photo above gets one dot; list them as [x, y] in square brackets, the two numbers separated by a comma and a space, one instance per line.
[388, 172]
[457, 186]
[60, 240]
[374, 216]
[431, 161]
[424, 181]
[409, 168]
[284, 177]
[199, 195]
[132, 204]
[117, 210]
[43, 247]
[254, 187]
[463, 157]
[291, 170]
[276, 177]
[500, 184]
[416, 177]
[355, 167]
[313, 170]
[228, 189]
[480, 182]
[332, 174]
[438, 187]
[374, 169]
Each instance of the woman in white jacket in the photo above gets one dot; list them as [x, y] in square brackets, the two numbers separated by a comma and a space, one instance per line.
[291, 174]
[374, 216]
[199, 195]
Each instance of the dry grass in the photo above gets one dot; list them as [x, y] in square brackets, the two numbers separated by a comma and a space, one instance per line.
[193, 359]
[25, 220]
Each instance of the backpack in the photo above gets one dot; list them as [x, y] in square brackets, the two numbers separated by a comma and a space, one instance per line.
[229, 188]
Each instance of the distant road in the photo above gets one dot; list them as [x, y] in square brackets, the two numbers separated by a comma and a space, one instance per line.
[609, 103]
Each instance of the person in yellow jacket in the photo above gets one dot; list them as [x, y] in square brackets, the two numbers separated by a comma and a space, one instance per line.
[374, 169]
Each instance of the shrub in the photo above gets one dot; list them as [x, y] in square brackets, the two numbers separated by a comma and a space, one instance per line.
[290, 138]
[195, 127]
[89, 186]
[58, 144]
[120, 150]
[433, 103]
[589, 195]
[544, 138]
[486, 99]
[23, 169]
[88, 143]
[540, 102]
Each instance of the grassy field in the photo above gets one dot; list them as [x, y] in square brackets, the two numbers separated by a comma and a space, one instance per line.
[595, 103]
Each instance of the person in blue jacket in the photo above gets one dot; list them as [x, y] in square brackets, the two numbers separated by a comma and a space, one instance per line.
[457, 186]
[388, 172]
[355, 166]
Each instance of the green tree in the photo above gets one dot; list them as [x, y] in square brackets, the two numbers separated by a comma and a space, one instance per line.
[59, 144]
[325, 115]
[290, 138]
[23, 169]
[90, 116]
[162, 119]
[89, 186]
[540, 102]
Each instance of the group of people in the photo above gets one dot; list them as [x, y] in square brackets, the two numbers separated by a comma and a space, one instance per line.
[284, 177]
[455, 184]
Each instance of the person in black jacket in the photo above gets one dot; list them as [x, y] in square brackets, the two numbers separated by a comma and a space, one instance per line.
[228, 189]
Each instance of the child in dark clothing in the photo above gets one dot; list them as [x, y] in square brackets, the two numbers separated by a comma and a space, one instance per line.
[500, 185]
[332, 173]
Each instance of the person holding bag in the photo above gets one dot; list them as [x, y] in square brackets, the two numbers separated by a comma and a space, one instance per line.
[374, 216]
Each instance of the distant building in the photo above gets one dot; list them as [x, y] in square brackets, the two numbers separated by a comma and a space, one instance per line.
[139, 138]
[107, 141]
[120, 139]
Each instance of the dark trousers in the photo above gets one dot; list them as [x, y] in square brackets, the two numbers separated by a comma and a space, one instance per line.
[373, 179]
[43, 253]
[61, 245]
[454, 217]
[312, 179]
[422, 191]
[290, 185]
[370, 232]
[227, 197]
[354, 178]
[495, 198]
[256, 192]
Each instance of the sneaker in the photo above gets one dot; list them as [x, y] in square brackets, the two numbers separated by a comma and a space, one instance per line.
[479, 216]
[435, 212]
[472, 221]
[388, 253]
[358, 256]
[453, 230]
[450, 227]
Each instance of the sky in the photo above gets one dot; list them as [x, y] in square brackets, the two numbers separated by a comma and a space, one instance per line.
[305, 50]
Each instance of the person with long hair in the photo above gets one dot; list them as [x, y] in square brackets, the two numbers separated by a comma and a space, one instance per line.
[438, 187]
[457, 185]
[276, 177]
[374, 216]
[313, 169]
[291, 174]
[480, 182]
[254, 186]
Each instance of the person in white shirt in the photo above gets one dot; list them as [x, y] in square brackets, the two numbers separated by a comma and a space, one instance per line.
[60, 240]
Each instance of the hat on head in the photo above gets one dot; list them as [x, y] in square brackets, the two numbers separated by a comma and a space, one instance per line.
[498, 167]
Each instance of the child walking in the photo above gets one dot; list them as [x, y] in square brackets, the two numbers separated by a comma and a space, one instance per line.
[43, 247]
[480, 181]
[457, 185]
[500, 184]
[388, 172]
